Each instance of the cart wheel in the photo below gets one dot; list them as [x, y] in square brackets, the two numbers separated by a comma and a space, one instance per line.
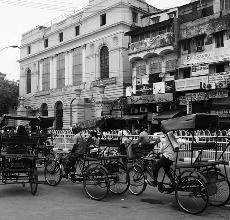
[137, 180]
[96, 183]
[219, 190]
[33, 181]
[53, 172]
[119, 180]
[192, 194]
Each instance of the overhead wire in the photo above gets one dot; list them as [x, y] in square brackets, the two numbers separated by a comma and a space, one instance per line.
[42, 5]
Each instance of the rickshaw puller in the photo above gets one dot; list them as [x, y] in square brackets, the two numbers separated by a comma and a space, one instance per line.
[168, 156]
[77, 151]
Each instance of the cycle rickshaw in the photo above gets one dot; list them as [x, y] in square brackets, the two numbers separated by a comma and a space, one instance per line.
[21, 166]
[197, 181]
[101, 171]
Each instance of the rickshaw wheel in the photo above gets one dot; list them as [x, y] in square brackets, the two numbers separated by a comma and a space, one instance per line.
[192, 194]
[220, 188]
[33, 178]
[96, 183]
[53, 173]
[137, 180]
[119, 182]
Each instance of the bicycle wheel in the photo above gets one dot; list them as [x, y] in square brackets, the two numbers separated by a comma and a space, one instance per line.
[219, 189]
[96, 183]
[192, 194]
[33, 179]
[119, 180]
[53, 173]
[137, 183]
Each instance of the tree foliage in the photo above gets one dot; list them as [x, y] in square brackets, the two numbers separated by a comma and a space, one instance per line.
[8, 96]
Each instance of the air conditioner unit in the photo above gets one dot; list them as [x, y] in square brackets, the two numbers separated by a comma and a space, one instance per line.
[143, 109]
[220, 85]
[211, 86]
[133, 110]
[199, 48]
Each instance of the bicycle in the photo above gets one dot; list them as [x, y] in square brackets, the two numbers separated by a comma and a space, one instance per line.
[95, 179]
[187, 186]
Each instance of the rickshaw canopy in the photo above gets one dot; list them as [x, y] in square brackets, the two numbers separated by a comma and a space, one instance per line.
[193, 121]
[105, 123]
[41, 121]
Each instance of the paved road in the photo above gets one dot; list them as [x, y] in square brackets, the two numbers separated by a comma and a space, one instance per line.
[69, 201]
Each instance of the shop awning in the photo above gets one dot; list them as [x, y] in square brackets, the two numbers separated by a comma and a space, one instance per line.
[165, 115]
[134, 117]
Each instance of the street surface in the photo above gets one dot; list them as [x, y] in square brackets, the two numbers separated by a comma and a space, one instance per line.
[69, 201]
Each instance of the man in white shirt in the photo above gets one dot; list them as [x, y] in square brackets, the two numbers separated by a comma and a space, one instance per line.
[123, 135]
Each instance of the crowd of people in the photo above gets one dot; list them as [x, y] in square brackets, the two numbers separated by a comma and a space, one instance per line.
[21, 133]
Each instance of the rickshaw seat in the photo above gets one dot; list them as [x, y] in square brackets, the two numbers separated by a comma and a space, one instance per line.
[204, 146]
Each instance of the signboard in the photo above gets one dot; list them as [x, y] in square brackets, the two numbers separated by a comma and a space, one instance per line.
[159, 88]
[201, 96]
[144, 89]
[144, 99]
[221, 79]
[169, 86]
[190, 83]
[222, 112]
[200, 69]
[129, 91]
[108, 81]
[203, 58]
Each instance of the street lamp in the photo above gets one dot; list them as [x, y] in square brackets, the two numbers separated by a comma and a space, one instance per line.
[13, 46]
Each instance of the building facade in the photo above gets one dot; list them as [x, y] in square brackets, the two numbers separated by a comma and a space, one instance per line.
[202, 83]
[77, 69]
[180, 60]
[153, 53]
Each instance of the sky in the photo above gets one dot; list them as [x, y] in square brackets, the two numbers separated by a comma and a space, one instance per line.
[20, 16]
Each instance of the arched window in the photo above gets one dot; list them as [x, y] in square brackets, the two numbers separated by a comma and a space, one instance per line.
[59, 115]
[28, 82]
[104, 62]
[44, 109]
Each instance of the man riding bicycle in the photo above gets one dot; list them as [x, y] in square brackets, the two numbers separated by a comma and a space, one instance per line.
[77, 151]
[168, 147]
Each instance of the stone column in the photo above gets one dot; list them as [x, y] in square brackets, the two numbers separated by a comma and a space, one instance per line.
[51, 72]
[163, 68]
[67, 68]
[40, 76]
[83, 63]
[22, 85]
[134, 77]
[54, 72]
[70, 63]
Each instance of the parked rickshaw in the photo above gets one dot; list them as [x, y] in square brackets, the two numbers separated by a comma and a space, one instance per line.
[100, 172]
[199, 181]
[18, 165]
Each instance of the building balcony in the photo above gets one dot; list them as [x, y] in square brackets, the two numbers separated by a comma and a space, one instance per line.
[152, 43]
[207, 25]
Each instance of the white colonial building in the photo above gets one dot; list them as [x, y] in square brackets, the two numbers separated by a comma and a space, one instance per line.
[75, 69]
